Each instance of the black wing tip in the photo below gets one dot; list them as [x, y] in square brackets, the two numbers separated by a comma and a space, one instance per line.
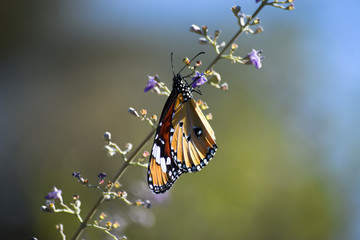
[160, 189]
[156, 189]
[203, 163]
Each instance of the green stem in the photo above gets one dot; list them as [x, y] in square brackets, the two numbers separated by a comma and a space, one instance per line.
[116, 178]
[217, 58]
[126, 164]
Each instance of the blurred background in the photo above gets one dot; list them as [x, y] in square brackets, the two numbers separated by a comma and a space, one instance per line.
[287, 165]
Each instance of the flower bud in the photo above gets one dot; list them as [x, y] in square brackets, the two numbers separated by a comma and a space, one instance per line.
[116, 225]
[224, 86]
[234, 46]
[111, 151]
[124, 194]
[154, 118]
[77, 203]
[242, 18]
[147, 204]
[290, 7]
[195, 29]
[145, 154]
[259, 30]
[133, 112]
[108, 224]
[203, 41]
[59, 227]
[128, 147]
[217, 34]
[236, 10]
[45, 209]
[203, 105]
[186, 61]
[222, 44]
[256, 21]
[204, 29]
[102, 216]
[215, 79]
[107, 136]
[143, 112]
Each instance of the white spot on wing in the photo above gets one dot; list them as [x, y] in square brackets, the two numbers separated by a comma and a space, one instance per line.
[163, 164]
[156, 153]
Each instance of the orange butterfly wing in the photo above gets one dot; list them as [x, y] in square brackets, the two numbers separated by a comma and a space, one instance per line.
[192, 138]
[162, 170]
[184, 140]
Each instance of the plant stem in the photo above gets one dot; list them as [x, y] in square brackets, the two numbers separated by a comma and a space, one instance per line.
[116, 178]
[148, 137]
[262, 5]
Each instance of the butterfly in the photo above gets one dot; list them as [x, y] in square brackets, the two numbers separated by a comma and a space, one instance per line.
[184, 140]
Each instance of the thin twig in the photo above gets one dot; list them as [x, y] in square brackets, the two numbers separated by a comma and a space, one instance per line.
[262, 5]
[142, 144]
[92, 212]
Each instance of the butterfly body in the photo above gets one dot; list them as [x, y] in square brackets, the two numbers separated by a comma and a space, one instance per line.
[184, 140]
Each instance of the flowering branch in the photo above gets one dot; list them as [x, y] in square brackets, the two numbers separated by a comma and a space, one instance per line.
[155, 85]
[244, 21]
[242, 28]
[121, 171]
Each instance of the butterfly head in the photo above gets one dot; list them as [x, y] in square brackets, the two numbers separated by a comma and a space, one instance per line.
[181, 86]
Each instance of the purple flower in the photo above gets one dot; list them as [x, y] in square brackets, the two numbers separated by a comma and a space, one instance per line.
[102, 175]
[151, 83]
[198, 80]
[256, 1]
[255, 58]
[76, 175]
[55, 194]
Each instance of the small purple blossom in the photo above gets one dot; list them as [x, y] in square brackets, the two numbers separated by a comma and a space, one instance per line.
[76, 175]
[102, 175]
[151, 83]
[55, 194]
[256, 1]
[255, 58]
[198, 80]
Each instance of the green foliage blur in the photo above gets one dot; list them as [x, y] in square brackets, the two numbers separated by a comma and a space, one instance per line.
[66, 79]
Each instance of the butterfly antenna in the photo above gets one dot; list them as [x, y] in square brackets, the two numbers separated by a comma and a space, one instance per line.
[191, 61]
[172, 65]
